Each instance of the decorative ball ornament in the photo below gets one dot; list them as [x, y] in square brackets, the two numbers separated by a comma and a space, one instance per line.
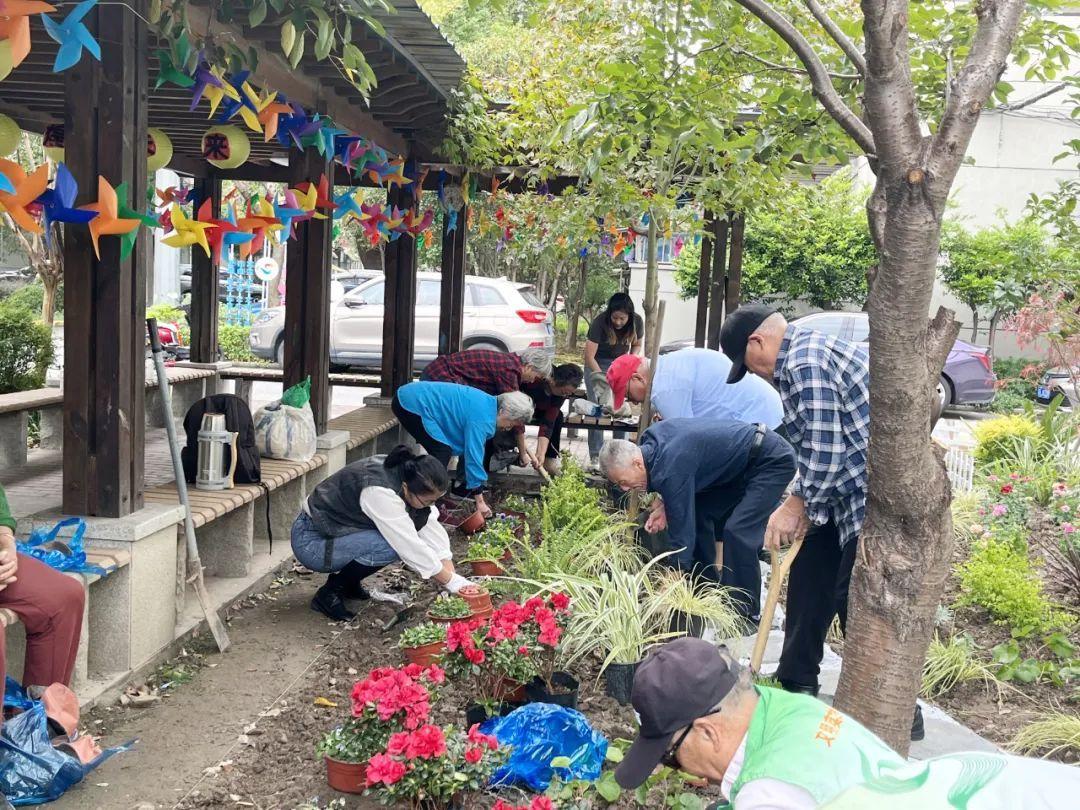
[226, 146]
[53, 142]
[159, 149]
[9, 135]
[453, 198]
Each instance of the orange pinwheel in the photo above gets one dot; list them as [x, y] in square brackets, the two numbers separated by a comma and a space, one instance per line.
[268, 117]
[27, 189]
[108, 221]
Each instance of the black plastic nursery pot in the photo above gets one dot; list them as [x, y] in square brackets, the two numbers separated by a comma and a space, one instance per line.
[475, 713]
[566, 694]
[619, 681]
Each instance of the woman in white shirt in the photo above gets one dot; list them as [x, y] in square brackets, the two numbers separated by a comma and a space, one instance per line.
[370, 514]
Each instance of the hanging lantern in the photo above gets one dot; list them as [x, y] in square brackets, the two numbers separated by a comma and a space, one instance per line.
[159, 149]
[226, 146]
[53, 142]
[9, 135]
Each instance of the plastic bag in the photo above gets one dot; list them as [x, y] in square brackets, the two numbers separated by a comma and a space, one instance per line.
[538, 733]
[298, 395]
[282, 431]
[15, 696]
[56, 558]
[32, 771]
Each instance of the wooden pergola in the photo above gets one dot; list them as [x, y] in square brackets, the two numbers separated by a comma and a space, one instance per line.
[106, 108]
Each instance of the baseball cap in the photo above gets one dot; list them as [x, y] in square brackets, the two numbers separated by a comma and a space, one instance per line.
[736, 330]
[619, 374]
[675, 685]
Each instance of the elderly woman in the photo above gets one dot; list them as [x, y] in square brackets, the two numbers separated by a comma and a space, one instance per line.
[368, 515]
[491, 371]
[448, 420]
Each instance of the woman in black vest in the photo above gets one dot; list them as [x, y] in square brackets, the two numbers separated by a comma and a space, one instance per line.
[370, 514]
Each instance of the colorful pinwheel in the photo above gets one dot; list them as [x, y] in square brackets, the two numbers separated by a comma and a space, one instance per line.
[25, 189]
[57, 203]
[108, 221]
[73, 36]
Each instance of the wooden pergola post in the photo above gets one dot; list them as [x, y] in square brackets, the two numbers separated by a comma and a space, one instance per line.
[716, 292]
[452, 297]
[733, 282]
[307, 291]
[704, 266]
[204, 281]
[104, 328]
[399, 303]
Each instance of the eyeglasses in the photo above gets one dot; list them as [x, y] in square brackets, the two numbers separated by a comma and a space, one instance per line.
[670, 757]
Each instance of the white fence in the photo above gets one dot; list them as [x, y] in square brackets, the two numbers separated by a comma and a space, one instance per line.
[960, 465]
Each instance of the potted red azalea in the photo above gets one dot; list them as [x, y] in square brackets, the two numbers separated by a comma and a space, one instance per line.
[542, 629]
[388, 700]
[430, 767]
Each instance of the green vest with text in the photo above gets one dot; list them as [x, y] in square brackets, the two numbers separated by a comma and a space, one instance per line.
[804, 742]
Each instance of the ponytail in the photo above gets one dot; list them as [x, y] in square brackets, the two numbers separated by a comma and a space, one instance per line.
[423, 474]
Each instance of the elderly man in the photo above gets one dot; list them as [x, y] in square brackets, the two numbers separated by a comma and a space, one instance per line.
[693, 382]
[448, 420]
[823, 383]
[769, 749]
[718, 480]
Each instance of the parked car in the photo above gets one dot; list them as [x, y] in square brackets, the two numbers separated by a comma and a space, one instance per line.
[255, 288]
[967, 379]
[1057, 382]
[351, 279]
[499, 314]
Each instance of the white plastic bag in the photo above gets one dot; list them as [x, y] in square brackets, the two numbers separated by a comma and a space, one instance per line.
[282, 431]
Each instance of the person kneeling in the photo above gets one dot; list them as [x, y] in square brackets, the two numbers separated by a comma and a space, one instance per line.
[369, 514]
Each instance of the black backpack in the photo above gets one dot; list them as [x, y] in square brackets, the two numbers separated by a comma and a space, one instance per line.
[238, 420]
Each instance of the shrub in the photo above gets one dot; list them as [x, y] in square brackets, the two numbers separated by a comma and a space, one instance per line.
[29, 299]
[166, 313]
[1053, 733]
[953, 662]
[26, 349]
[995, 438]
[998, 576]
[234, 345]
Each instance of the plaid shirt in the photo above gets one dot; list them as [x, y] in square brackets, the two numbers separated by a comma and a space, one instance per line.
[823, 384]
[491, 371]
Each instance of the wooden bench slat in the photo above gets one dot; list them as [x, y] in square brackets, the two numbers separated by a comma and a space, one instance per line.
[38, 398]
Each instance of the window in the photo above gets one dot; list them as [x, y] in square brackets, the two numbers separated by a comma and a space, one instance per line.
[428, 294]
[373, 294]
[484, 296]
[831, 323]
[529, 294]
[860, 328]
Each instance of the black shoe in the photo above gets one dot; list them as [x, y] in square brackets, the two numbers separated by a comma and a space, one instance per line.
[800, 688]
[348, 580]
[327, 601]
[918, 729]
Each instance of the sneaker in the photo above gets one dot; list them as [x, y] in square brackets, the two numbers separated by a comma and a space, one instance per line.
[918, 728]
[327, 601]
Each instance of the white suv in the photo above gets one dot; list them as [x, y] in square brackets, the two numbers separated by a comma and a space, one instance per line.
[499, 314]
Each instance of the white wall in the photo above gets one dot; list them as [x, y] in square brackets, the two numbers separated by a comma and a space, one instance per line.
[166, 259]
[680, 316]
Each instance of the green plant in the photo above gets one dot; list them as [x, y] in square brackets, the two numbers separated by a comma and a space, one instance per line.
[1053, 733]
[421, 634]
[953, 662]
[966, 517]
[166, 313]
[999, 577]
[26, 350]
[492, 543]
[450, 607]
[234, 345]
[29, 299]
[351, 742]
[995, 437]
[672, 595]
[1060, 667]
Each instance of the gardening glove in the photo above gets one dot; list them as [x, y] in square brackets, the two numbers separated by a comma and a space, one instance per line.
[457, 582]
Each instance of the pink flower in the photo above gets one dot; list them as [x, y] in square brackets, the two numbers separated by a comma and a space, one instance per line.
[999, 509]
[385, 769]
[1066, 508]
[560, 601]
[427, 742]
[1068, 528]
[992, 478]
[1014, 476]
[413, 670]
[477, 737]
[1005, 490]
[435, 674]
[474, 755]
[541, 803]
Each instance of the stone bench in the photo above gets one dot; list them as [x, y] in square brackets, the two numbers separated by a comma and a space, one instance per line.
[371, 430]
[101, 647]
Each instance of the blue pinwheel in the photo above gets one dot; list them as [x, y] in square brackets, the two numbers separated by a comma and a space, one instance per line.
[326, 136]
[73, 36]
[285, 215]
[342, 145]
[296, 127]
[56, 202]
[347, 205]
[236, 237]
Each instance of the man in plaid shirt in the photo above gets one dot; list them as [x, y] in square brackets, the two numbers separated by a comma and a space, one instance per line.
[493, 372]
[823, 383]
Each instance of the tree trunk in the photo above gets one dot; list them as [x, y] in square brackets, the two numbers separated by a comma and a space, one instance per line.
[577, 304]
[48, 299]
[652, 284]
[906, 541]
[974, 325]
[992, 335]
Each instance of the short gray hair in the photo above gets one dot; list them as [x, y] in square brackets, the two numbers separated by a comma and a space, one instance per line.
[516, 406]
[617, 454]
[538, 360]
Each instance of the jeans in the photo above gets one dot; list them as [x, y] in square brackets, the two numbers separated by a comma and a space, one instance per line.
[366, 547]
[596, 439]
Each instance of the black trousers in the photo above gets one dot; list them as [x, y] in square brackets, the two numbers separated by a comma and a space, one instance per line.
[414, 426]
[817, 591]
[504, 440]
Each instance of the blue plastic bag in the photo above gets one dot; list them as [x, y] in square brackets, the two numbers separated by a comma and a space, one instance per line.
[15, 696]
[537, 733]
[31, 770]
[74, 562]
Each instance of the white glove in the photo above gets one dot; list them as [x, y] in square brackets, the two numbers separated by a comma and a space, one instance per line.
[457, 582]
[586, 408]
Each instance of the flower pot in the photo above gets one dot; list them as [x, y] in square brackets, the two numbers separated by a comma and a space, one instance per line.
[536, 690]
[444, 620]
[513, 692]
[486, 568]
[473, 523]
[475, 713]
[479, 601]
[346, 777]
[426, 654]
[619, 681]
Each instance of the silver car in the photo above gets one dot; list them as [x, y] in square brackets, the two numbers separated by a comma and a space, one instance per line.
[499, 314]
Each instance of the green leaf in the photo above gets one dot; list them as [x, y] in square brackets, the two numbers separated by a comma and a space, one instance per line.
[607, 787]
[352, 56]
[257, 13]
[1028, 670]
[689, 801]
[376, 27]
[614, 754]
[277, 5]
[298, 51]
[1006, 653]
[154, 13]
[560, 762]
[324, 39]
[641, 795]
[1058, 644]
[288, 37]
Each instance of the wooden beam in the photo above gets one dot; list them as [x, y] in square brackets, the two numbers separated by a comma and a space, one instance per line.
[104, 327]
[307, 292]
[204, 282]
[399, 303]
[733, 281]
[704, 266]
[716, 291]
[452, 300]
[255, 172]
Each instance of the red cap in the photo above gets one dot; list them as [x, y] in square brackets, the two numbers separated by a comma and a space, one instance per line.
[619, 374]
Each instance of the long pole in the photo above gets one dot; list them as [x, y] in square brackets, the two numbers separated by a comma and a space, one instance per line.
[634, 507]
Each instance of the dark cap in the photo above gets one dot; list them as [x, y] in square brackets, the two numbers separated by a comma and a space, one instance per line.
[675, 685]
[736, 331]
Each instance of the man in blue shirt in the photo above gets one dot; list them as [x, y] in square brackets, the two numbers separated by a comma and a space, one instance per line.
[447, 419]
[718, 480]
[693, 382]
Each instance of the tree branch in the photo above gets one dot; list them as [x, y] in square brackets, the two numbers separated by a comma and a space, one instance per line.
[1027, 102]
[839, 37]
[819, 76]
[998, 24]
[787, 69]
[890, 93]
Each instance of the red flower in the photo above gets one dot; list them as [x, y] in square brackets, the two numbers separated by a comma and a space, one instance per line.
[385, 769]
[1005, 490]
[435, 674]
[549, 635]
[426, 742]
[398, 743]
[477, 737]
[475, 656]
[413, 670]
[473, 755]
[541, 803]
[560, 601]
[523, 650]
